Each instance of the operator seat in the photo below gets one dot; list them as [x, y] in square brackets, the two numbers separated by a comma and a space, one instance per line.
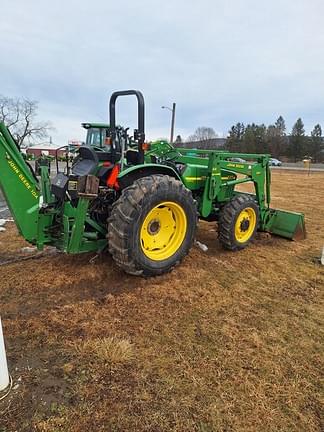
[86, 163]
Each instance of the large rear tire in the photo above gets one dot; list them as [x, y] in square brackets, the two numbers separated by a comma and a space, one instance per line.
[238, 222]
[152, 225]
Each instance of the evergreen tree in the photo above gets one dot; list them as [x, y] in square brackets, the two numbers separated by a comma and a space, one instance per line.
[276, 138]
[272, 139]
[261, 140]
[316, 143]
[249, 144]
[254, 140]
[297, 140]
[281, 126]
[235, 138]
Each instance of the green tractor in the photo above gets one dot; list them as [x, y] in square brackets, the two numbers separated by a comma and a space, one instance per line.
[140, 201]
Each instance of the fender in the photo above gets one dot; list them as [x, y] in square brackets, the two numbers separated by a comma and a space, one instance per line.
[129, 175]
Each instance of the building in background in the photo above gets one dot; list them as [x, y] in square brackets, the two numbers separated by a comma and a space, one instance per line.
[44, 149]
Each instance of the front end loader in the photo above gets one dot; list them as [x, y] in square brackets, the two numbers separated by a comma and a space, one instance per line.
[141, 202]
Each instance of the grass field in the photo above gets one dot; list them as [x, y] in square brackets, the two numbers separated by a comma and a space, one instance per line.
[226, 342]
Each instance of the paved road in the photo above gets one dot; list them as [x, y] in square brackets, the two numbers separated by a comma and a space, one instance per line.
[4, 211]
[301, 165]
[297, 168]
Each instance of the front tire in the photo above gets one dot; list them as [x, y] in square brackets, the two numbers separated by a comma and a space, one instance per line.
[238, 222]
[152, 225]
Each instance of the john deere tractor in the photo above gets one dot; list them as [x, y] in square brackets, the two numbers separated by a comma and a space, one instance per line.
[141, 202]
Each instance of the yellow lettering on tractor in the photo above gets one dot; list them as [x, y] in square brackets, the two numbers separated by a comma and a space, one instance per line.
[22, 178]
[234, 165]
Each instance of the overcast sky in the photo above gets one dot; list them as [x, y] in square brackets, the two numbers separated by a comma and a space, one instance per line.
[221, 61]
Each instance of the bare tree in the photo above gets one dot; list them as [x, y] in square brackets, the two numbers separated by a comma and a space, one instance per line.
[203, 133]
[19, 115]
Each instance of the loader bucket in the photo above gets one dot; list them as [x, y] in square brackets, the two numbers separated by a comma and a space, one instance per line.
[287, 224]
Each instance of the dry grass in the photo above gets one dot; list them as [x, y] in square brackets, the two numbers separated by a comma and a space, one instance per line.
[226, 342]
[106, 350]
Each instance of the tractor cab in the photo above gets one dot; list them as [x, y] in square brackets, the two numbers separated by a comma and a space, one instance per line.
[108, 145]
[114, 143]
[108, 150]
[97, 134]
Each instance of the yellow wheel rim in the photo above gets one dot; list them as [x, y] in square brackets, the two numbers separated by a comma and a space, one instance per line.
[163, 231]
[245, 225]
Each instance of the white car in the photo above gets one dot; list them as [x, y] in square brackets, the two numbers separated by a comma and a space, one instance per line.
[240, 160]
[274, 162]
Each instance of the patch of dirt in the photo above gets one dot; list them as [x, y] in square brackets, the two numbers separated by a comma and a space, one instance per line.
[226, 342]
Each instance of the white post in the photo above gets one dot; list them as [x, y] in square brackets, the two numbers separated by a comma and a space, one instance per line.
[322, 257]
[4, 374]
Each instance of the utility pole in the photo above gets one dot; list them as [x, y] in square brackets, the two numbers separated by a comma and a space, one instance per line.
[172, 122]
[172, 119]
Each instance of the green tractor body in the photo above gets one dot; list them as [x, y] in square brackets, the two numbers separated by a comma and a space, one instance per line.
[140, 201]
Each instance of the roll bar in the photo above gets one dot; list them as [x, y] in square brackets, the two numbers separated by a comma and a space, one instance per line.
[139, 134]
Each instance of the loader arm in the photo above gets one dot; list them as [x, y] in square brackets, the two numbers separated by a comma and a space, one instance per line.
[20, 188]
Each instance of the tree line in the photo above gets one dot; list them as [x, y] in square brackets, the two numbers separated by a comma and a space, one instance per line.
[272, 139]
[19, 114]
[254, 138]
